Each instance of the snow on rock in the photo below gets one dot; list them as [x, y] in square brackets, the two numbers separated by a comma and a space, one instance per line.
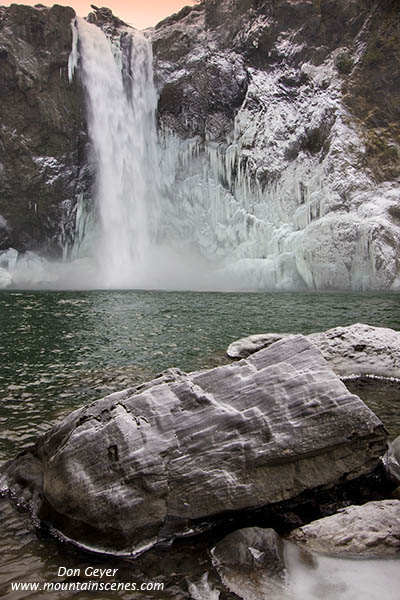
[253, 343]
[279, 166]
[358, 349]
[371, 530]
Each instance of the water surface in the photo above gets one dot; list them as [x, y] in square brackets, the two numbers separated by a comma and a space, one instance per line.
[59, 350]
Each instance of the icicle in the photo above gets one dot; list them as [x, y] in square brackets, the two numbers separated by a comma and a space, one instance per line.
[74, 55]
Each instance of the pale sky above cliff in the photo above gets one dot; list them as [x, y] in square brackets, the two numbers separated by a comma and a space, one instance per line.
[138, 13]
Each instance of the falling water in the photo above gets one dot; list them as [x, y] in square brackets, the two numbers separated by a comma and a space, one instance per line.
[118, 80]
[205, 232]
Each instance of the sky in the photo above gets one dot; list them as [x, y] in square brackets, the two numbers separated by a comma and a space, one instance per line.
[139, 13]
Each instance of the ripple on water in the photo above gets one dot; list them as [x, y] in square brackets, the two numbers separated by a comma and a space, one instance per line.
[60, 350]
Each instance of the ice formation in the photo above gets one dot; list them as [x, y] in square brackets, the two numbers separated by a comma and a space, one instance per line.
[279, 216]
[283, 203]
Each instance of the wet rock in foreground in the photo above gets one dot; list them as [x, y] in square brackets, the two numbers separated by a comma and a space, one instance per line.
[250, 563]
[371, 530]
[144, 465]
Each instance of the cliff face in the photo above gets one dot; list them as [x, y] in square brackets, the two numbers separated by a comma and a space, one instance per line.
[42, 130]
[309, 92]
[265, 35]
[279, 127]
[372, 93]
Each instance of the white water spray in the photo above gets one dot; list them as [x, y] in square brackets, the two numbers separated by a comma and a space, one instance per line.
[121, 116]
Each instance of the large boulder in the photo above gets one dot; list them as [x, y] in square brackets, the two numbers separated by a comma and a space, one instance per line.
[358, 349]
[160, 460]
[370, 530]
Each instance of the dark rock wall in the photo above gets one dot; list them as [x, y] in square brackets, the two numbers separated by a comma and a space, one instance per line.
[373, 91]
[366, 33]
[42, 129]
[201, 84]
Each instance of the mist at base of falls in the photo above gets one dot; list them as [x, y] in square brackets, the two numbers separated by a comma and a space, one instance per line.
[332, 578]
[164, 269]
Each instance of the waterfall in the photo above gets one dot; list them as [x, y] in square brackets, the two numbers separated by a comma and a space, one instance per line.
[219, 229]
[246, 213]
[121, 99]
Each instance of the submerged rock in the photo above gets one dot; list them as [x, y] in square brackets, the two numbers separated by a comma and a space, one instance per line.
[162, 459]
[371, 530]
[358, 349]
[250, 563]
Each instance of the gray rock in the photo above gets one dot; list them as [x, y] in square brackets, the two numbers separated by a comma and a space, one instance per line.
[358, 349]
[158, 460]
[252, 547]
[253, 343]
[250, 563]
[370, 530]
[391, 460]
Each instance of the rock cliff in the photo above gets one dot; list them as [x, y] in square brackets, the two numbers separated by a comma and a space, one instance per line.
[279, 138]
[305, 188]
[43, 165]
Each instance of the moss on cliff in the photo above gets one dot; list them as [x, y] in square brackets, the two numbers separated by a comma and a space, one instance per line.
[373, 94]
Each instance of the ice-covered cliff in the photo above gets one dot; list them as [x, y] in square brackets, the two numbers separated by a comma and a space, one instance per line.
[279, 144]
[284, 119]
